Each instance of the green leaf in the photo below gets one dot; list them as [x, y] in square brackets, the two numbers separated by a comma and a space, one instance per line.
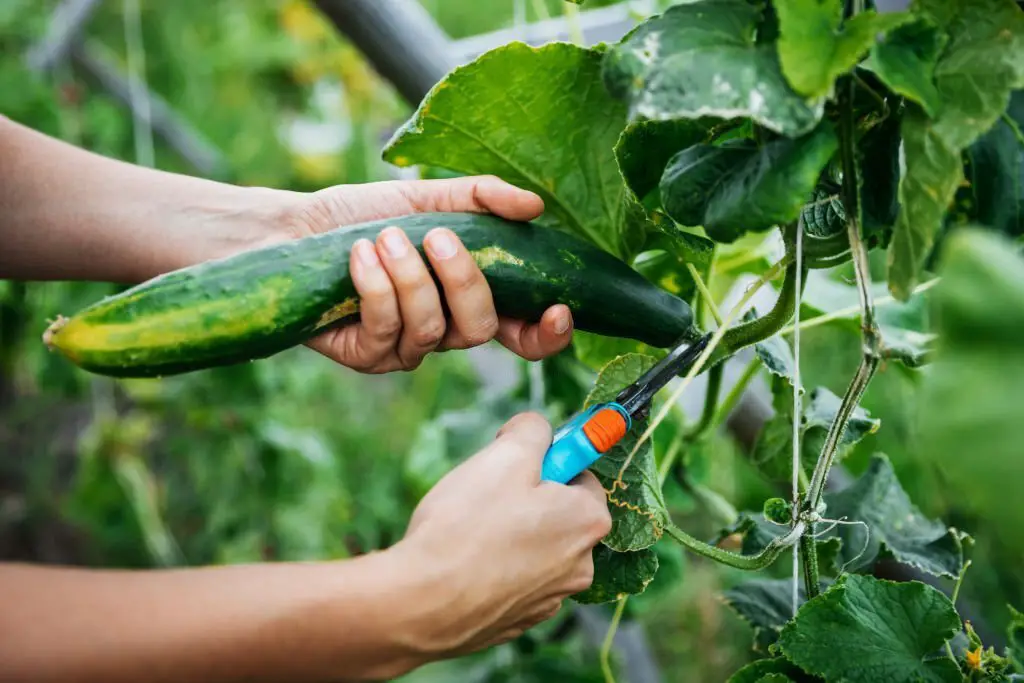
[777, 357]
[878, 500]
[863, 630]
[969, 417]
[597, 351]
[905, 327]
[617, 574]
[773, 451]
[905, 61]
[982, 63]
[699, 60]
[538, 118]
[765, 604]
[638, 510]
[775, 670]
[1015, 639]
[737, 188]
[995, 172]
[695, 173]
[645, 147]
[815, 50]
[825, 215]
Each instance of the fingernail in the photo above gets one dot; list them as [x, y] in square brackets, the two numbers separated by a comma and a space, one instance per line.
[395, 242]
[366, 253]
[562, 323]
[441, 244]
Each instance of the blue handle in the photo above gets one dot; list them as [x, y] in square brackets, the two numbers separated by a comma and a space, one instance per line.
[571, 451]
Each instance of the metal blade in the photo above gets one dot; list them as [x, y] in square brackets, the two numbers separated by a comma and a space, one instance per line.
[636, 398]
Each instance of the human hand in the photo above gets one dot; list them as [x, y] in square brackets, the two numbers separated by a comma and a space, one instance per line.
[502, 548]
[401, 318]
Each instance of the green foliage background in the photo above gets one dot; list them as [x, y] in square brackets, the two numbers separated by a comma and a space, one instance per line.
[295, 457]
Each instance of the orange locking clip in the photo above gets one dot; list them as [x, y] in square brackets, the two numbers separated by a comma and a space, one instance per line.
[605, 429]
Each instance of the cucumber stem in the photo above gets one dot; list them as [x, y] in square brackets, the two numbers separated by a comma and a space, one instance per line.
[52, 330]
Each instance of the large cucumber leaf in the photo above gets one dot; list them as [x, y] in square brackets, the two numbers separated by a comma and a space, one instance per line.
[982, 63]
[863, 630]
[638, 511]
[737, 187]
[538, 118]
[814, 49]
[702, 59]
[905, 61]
[617, 574]
[893, 522]
[773, 450]
[765, 604]
[645, 147]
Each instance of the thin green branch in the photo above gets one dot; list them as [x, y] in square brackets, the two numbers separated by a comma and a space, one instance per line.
[763, 559]
[959, 582]
[751, 332]
[705, 294]
[809, 554]
[707, 417]
[851, 399]
[726, 407]
[609, 638]
[1014, 127]
[851, 310]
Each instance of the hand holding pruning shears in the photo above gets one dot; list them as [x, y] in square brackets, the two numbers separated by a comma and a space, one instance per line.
[592, 433]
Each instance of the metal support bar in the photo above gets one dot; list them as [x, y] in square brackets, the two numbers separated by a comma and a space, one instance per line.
[66, 24]
[399, 37]
[602, 25]
[171, 128]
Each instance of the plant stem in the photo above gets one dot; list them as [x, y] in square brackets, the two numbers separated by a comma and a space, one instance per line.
[749, 333]
[705, 293]
[959, 582]
[609, 638]
[761, 560]
[851, 398]
[1013, 127]
[871, 356]
[572, 18]
[707, 418]
[726, 407]
[809, 553]
[850, 310]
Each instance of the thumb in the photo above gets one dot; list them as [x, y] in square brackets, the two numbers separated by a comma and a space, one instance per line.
[522, 443]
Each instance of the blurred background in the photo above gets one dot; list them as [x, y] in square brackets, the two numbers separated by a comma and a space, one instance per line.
[295, 458]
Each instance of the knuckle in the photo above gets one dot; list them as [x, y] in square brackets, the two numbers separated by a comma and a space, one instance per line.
[482, 332]
[583, 577]
[386, 328]
[463, 276]
[429, 334]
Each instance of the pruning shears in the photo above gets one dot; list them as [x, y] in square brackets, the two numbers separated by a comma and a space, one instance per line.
[590, 434]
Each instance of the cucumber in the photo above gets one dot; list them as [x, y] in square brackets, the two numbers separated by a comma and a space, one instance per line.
[260, 302]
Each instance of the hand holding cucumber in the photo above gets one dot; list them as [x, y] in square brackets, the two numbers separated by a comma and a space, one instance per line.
[401, 315]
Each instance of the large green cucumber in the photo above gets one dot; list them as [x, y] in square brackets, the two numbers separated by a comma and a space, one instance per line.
[260, 302]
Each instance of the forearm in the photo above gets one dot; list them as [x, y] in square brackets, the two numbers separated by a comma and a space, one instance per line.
[69, 214]
[352, 620]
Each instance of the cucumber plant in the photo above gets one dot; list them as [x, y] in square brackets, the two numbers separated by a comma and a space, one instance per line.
[813, 146]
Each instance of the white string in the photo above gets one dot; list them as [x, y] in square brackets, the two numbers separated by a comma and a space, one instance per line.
[142, 126]
[797, 410]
